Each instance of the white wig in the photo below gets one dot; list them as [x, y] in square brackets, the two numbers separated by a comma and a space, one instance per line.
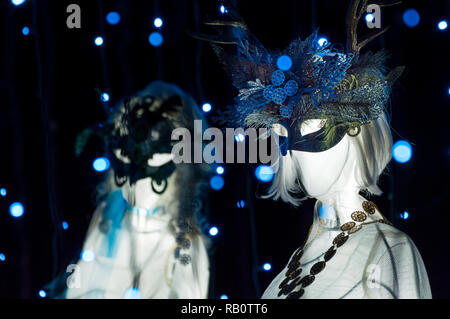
[374, 151]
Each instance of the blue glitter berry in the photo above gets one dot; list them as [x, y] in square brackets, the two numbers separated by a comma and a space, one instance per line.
[291, 87]
[268, 92]
[278, 77]
[286, 111]
[279, 96]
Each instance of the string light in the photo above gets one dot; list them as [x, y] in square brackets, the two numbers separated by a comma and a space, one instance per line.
[98, 41]
[220, 170]
[113, 18]
[158, 22]
[404, 215]
[16, 210]
[25, 31]
[65, 225]
[213, 231]
[402, 151]
[104, 97]
[369, 17]
[216, 182]
[101, 164]
[442, 25]
[2, 257]
[223, 297]
[264, 173]
[223, 9]
[3, 192]
[239, 137]
[42, 293]
[17, 2]
[322, 41]
[411, 18]
[207, 107]
[284, 63]
[155, 39]
[240, 204]
[267, 267]
[87, 255]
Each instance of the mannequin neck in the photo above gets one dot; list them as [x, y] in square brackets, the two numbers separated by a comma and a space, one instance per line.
[335, 208]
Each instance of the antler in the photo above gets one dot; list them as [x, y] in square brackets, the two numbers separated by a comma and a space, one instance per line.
[354, 14]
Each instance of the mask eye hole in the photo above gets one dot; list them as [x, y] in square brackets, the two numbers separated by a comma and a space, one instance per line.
[311, 126]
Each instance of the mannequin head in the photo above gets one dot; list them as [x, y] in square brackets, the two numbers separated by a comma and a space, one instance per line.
[354, 162]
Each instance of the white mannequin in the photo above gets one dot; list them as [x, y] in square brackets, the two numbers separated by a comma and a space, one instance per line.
[378, 261]
[145, 231]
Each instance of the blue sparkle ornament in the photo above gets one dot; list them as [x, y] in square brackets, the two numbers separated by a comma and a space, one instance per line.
[286, 111]
[268, 92]
[279, 96]
[291, 88]
[278, 78]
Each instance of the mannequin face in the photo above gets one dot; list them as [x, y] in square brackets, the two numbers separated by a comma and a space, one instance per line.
[323, 172]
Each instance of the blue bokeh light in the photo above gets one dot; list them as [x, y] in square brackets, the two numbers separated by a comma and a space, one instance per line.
[267, 266]
[411, 18]
[25, 31]
[16, 210]
[113, 17]
[17, 2]
[155, 39]
[264, 173]
[224, 297]
[284, 63]
[207, 107]
[214, 231]
[158, 22]
[2, 257]
[404, 215]
[239, 137]
[87, 255]
[322, 41]
[442, 25]
[402, 151]
[132, 293]
[42, 293]
[217, 182]
[101, 164]
[104, 97]
[223, 9]
[220, 170]
[65, 225]
[98, 41]
[240, 203]
[3, 192]
[369, 17]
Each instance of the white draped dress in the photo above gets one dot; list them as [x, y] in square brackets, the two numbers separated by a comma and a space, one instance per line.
[123, 241]
[377, 262]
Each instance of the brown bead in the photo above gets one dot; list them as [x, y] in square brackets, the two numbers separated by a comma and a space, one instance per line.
[317, 267]
[284, 283]
[369, 207]
[359, 216]
[354, 229]
[340, 239]
[348, 226]
[295, 273]
[296, 294]
[307, 280]
[329, 254]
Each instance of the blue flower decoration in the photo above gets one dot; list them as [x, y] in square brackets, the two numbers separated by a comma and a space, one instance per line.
[268, 92]
[291, 88]
[279, 95]
[286, 111]
[278, 78]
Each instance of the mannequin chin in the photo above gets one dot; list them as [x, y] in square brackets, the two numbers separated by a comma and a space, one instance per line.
[327, 171]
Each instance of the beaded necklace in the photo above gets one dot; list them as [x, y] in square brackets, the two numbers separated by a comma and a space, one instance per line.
[293, 280]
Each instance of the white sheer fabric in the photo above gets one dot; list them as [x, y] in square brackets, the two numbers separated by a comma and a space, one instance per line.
[137, 241]
[377, 262]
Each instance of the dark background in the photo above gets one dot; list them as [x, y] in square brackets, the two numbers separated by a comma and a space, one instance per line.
[48, 95]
